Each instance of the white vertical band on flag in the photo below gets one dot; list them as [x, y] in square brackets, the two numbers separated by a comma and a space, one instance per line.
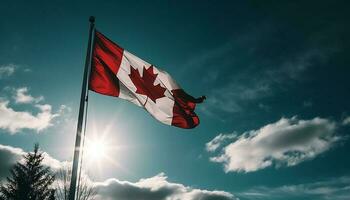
[162, 110]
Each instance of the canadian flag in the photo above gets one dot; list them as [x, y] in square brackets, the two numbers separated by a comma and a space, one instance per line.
[117, 72]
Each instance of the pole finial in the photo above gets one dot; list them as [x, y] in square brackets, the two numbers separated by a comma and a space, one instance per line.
[92, 19]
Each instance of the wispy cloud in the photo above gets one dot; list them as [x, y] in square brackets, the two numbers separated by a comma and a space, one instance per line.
[249, 86]
[329, 189]
[256, 69]
[231, 97]
[307, 103]
[292, 69]
[346, 121]
[209, 55]
[7, 70]
[22, 96]
[286, 142]
[264, 107]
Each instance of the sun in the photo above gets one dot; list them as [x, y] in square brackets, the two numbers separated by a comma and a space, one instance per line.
[96, 150]
[102, 149]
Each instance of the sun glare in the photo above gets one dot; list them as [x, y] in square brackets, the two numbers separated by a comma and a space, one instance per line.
[96, 150]
[102, 150]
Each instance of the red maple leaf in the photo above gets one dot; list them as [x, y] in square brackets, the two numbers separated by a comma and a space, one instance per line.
[145, 84]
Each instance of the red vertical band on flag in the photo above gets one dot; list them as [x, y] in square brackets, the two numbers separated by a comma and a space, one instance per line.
[106, 60]
[183, 110]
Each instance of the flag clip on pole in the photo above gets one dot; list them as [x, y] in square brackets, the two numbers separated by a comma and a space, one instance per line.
[73, 183]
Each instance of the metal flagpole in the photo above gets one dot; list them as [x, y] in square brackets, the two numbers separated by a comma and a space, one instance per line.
[83, 99]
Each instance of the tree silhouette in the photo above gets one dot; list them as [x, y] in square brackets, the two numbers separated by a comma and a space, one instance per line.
[29, 180]
[85, 191]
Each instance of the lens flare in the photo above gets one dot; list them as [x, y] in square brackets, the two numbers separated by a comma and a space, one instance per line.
[96, 150]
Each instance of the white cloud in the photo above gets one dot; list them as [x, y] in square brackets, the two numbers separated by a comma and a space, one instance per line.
[154, 188]
[7, 70]
[38, 119]
[8, 157]
[346, 121]
[11, 155]
[285, 142]
[218, 141]
[14, 121]
[329, 189]
[22, 96]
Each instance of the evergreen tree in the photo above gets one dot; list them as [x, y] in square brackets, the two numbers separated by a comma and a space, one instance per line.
[29, 180]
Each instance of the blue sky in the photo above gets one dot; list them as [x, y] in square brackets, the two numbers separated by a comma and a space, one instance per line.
[275, 75]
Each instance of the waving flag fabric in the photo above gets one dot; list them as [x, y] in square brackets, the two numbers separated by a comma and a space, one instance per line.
[117, 72]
